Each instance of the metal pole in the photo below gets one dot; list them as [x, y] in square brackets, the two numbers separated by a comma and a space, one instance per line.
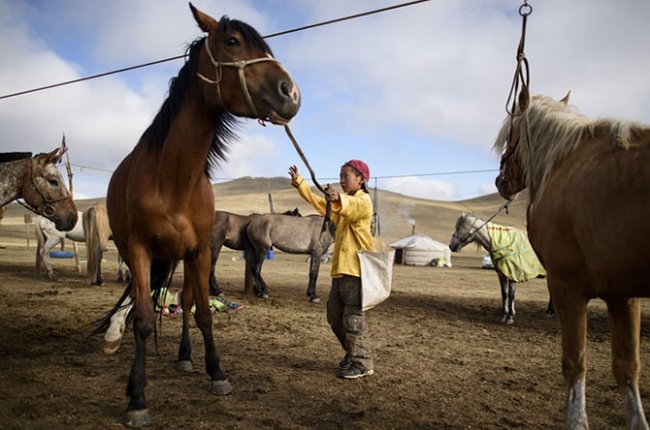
[68, 168]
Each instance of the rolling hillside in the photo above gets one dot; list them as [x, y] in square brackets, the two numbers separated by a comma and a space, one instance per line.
[398, 214]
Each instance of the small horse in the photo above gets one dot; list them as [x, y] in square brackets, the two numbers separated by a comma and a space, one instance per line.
[295, 235]
[160, 201]
[91, 228]
[38, 181]
[230, 230]
[589, 186]
[514, 260]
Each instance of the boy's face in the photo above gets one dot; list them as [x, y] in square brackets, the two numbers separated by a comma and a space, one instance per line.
[350, 180]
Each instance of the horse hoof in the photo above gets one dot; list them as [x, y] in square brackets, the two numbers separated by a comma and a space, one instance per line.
[112, 347]
[136, 419]
[220, 388]
[510, 321]
[184, 365]
[315, 300]
[265, 296]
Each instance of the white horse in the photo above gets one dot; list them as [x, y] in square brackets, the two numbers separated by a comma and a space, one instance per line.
[47, 237]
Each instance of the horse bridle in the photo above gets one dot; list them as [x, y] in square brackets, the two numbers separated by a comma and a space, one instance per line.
[48, 210]
[465, 240]
[240, 66]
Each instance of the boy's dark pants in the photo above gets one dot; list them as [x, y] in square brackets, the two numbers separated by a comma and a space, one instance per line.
[348, 321]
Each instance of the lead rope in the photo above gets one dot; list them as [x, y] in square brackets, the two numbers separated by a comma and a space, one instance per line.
[328, 207]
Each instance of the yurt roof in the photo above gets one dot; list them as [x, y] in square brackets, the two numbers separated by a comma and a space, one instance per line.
[419, 241]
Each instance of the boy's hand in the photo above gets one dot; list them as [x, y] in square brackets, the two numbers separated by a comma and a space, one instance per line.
[293, 171]
[333, 196]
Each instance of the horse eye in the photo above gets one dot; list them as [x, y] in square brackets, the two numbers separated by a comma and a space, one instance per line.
[53, 182]
[231, 41]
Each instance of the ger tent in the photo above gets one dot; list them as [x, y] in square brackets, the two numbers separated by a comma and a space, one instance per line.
[421, 250]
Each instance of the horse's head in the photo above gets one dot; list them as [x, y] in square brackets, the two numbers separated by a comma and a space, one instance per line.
[45, 192]
[466, 226]
[512, 176]
[240, 73]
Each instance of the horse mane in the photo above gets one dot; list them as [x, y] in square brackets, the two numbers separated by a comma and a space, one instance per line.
[5, 157]
[179, 87]
[557, 130]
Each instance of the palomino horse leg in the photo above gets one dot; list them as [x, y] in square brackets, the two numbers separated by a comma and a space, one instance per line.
[98, 276]
[137, 414]
[113, 336]
[571, 308]
[314, 266]
[550, 310]
[624, 316]
[196, 279]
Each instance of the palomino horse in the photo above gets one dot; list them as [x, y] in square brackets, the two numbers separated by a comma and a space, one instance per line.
[91, 228]
[589, 187]
[160, 200]
[38, 181]
[295, 235]
[230, 230]
[514, 259]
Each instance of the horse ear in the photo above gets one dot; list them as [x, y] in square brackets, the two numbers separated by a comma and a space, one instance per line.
[524, 98]
[565, 99]
[55, 156]
[205, 22]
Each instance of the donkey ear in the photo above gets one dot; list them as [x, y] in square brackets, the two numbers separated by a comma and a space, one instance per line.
[205, 22]
[565, 99]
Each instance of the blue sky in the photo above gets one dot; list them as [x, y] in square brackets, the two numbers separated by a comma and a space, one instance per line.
[412, 91]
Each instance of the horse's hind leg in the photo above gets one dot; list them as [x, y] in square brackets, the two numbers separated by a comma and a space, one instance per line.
[184, 362]
[314, 266]
[624, 316]
[571, 308]
[215, 249]
[257, 260]
[503, 284]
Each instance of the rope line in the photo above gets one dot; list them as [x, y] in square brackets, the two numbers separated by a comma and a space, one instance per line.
[178, 57]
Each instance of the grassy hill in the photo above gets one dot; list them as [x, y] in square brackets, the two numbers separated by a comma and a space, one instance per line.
[398, 214]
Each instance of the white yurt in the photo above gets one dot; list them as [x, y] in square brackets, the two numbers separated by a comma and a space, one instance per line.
[421, 250]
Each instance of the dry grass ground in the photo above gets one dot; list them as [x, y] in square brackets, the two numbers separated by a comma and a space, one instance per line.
[443, 360]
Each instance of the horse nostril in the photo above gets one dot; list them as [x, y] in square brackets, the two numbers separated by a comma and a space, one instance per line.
[284, 88]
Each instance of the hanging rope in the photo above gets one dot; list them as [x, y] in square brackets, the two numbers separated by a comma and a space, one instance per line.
[325, 191]
[522, 73]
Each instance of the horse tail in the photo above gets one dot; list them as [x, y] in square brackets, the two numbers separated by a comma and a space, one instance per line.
[102, 226]
[162, 272]
[90, 235]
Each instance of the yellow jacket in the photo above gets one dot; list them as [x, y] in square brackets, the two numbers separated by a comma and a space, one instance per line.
[352, 217]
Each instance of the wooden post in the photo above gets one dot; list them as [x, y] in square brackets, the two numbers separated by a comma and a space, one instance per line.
[28, 221]
[68, 168]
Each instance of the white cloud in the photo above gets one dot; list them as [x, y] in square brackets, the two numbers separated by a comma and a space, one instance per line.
[422, 188]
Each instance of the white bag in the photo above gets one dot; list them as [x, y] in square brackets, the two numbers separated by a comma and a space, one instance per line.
[376, 276]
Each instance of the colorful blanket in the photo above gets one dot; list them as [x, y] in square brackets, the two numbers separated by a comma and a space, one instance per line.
[513, 255]
[169, 304]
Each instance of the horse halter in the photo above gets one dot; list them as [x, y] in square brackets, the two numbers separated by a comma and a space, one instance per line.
[47, 210]
[239, 65]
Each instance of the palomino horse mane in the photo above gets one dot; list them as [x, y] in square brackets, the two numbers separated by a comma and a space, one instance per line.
[557, 130]
[5, 157]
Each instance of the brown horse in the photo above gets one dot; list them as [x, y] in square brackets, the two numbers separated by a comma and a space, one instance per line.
[160, 200]
[589, 186]
[38, 181]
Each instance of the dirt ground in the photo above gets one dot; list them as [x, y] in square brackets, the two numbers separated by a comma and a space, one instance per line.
[443, 360]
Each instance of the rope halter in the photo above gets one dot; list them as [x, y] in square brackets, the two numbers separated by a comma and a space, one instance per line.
[239, 65]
